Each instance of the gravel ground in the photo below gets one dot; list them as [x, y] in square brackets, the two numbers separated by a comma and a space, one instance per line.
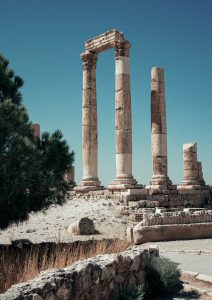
[199, 246]
[52, 225]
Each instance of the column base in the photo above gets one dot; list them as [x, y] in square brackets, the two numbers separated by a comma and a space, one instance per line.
[161, 182]
[122, 183]
[190, 182]
[87, 185]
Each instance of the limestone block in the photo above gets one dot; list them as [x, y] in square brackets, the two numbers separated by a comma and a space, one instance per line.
[123, 119]
[190, 165]
[89, 97]
[190, 147]
[205, 278]
[122, 65]
[124, 141]
[123, 165]
[89, 137]
[123, 100]
[103, 41]
[157, 74]
[89, 79]
[89, 116]
[159, 145]
[84, 226]
[158, 123]
[122, 82]
[90, 159]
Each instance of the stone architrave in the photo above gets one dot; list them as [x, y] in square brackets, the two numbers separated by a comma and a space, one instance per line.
[160, 178]
[36, 130]
[124, 178]
[191, 168]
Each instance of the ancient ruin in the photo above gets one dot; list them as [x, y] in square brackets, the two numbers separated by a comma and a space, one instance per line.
[192, 192]
[160, 178]
[124, 178]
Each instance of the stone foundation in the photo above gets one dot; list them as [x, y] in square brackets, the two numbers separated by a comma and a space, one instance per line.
[171, 226]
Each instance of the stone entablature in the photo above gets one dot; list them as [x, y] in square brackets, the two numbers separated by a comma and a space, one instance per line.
[103, 277]
[104, 41]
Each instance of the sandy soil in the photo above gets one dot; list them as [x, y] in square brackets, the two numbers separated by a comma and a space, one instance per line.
[52, 225]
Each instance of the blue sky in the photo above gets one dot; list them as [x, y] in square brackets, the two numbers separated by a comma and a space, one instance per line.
[44, 38]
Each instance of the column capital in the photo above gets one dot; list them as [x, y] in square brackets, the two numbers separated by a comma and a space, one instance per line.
[122, 48]
[89, 60]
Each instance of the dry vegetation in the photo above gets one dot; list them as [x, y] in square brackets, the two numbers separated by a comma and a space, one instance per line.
[19, 264]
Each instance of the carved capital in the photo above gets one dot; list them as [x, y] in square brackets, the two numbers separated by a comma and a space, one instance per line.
[89, 60]
[122, 48]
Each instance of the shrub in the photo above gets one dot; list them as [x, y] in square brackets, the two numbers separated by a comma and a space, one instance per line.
[162, 276]
[137, 294]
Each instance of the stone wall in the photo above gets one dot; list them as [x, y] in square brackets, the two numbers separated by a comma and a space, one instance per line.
[157, 233]
[166, 218]
[171, 226]
[103, 277]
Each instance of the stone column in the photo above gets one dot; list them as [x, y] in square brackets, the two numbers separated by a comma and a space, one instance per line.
[123, 119]
[36, 129]
[200, 173]
[190, 164]
[90, 179]
[159, 133]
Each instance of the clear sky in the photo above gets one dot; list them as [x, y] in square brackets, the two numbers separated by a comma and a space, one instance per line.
[44, 38]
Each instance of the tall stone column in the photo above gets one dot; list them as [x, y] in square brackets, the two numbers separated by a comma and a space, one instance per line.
[191, 170]
[123, 119]
[160, 178]
[90, 179]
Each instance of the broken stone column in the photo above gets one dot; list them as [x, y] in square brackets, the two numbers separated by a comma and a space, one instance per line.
[123, 121]
[200, 173]
[36, 130]
[191, 169]
[160, 178]
[90, 179]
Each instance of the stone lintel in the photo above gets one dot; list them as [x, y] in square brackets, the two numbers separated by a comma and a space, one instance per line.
[104, 41]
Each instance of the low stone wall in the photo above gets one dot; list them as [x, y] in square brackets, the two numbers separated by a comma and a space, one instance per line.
[103, 277]
[177, 218]
[157, 233]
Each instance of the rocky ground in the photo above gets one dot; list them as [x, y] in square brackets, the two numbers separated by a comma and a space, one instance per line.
[52, 225]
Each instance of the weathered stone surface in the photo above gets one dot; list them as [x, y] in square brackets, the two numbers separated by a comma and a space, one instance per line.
[103, 277]
[191, 169]
[111, 39]
[90, 179]
[158, 126]
[156, 233]
[104, 41]
[171, 226]
[84, 226]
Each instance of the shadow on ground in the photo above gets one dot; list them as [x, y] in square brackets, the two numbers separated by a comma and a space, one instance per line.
[191, 295]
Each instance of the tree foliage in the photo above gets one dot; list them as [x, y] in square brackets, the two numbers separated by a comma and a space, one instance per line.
[31, 169]
[9, 83]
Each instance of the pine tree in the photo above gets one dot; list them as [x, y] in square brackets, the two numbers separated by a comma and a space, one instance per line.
[31, 169]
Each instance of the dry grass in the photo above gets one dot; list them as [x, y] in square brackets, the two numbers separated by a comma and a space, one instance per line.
[22, 264]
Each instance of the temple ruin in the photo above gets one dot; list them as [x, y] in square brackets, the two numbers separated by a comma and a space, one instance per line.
[124, 178]
[192, 192]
